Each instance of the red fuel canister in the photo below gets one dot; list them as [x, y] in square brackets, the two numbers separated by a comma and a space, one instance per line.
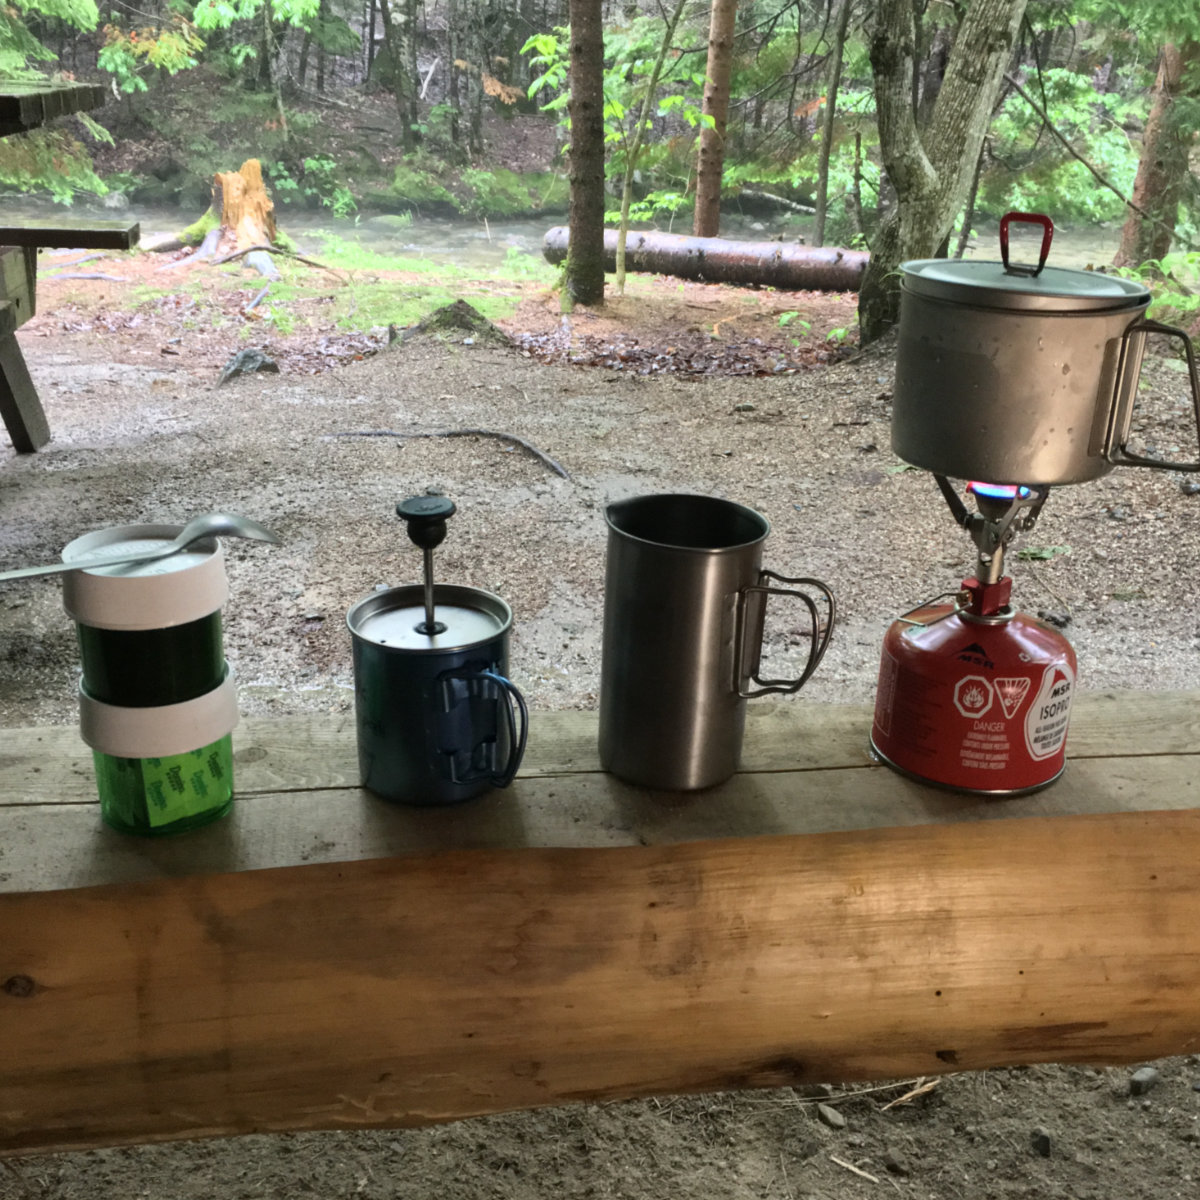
[974, 696]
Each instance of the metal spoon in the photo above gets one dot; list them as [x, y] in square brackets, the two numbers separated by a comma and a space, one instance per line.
[197, 529]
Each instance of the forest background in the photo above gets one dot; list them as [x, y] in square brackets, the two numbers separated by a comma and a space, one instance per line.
[463, 107]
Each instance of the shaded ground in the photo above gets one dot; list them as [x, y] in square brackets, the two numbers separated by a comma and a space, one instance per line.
[142, 432]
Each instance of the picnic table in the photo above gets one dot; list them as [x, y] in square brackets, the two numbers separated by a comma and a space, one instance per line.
[26, 106]
[320, 959]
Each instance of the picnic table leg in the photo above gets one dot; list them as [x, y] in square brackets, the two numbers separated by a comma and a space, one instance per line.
[19, 404]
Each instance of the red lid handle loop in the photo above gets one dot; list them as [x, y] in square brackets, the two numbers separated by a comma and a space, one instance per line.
[1047, 233]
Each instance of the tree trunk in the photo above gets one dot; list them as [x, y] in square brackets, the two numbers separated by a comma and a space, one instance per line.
[396, 38]
[930, 169]
[1163, 167]
[711, 161]
[452, 42]
[584, 277]
[412, 75]
[835, 80]
[302, 69]
[474, 80]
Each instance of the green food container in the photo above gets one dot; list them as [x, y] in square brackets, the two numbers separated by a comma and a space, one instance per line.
[157, 701]
[156, 796]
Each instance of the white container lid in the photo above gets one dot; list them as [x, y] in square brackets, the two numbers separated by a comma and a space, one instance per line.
[160, 731]
[154, 595]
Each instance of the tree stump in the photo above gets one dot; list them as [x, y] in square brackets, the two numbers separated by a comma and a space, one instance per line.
[245, 208]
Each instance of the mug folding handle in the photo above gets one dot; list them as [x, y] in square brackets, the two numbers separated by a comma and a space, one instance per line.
[455, 687]
[752, 611]
[1129, 372]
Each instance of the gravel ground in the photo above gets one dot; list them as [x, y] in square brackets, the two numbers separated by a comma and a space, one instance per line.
[138, 436]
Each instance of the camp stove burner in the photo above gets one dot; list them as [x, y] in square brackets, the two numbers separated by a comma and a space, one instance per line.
[973, 695]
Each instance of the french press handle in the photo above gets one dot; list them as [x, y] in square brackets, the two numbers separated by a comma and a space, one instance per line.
[426, 517]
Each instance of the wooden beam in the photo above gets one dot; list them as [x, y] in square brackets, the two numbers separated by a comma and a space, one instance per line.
[409, 991]
[66, 846]
[25, 106]
[20, 408]
[65, 235]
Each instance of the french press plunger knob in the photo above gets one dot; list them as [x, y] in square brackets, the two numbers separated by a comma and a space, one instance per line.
[426, 517]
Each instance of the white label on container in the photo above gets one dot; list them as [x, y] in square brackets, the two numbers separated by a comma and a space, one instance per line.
[1046, 721]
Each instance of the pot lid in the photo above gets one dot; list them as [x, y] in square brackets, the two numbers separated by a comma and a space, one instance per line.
[390, 618]
[990, 284]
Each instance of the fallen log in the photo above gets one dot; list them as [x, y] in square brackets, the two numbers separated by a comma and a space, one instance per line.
[425, 988]
[784, 265]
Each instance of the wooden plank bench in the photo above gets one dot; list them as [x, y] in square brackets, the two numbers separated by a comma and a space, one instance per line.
[28, 105]
[20, 406]
[321, 959]
[24, 106]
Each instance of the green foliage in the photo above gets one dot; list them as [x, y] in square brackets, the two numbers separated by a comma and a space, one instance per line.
[1037, 175]
[126, 54]
[19, 49]
[652, 206]
[222, 14]
[495, 193]
[520, 264]
[318, 185]
[788, 318]
[419, 187]
[48, 160]
[335, 37]
[1154, 21]
[1174, 283]
[630, 52]
[321, 183]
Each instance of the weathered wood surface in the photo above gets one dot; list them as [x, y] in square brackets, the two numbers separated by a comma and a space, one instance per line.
[67, 235]
[719, 260]
[25, 106]
[20, 406]
[806, 769]
[427, 988]
[50, 763]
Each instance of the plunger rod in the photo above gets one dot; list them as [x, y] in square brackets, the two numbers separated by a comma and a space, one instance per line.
[430, 623]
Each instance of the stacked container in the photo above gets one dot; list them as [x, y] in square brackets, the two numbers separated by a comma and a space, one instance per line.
[157, 700]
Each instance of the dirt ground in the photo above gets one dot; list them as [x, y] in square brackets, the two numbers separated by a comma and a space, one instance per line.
[704, 389]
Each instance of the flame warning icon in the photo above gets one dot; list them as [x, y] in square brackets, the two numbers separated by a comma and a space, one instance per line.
[972, 695]
[1011, 692]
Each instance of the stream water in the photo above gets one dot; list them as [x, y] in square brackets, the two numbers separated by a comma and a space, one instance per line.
[487, 244]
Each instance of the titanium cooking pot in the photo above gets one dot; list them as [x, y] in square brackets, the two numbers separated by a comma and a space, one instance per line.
[1021, 375]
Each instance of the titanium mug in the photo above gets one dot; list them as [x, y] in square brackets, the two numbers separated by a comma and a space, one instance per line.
[684, 607]
[438, 721]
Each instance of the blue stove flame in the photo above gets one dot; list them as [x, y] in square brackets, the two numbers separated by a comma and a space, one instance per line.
[999, 491]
